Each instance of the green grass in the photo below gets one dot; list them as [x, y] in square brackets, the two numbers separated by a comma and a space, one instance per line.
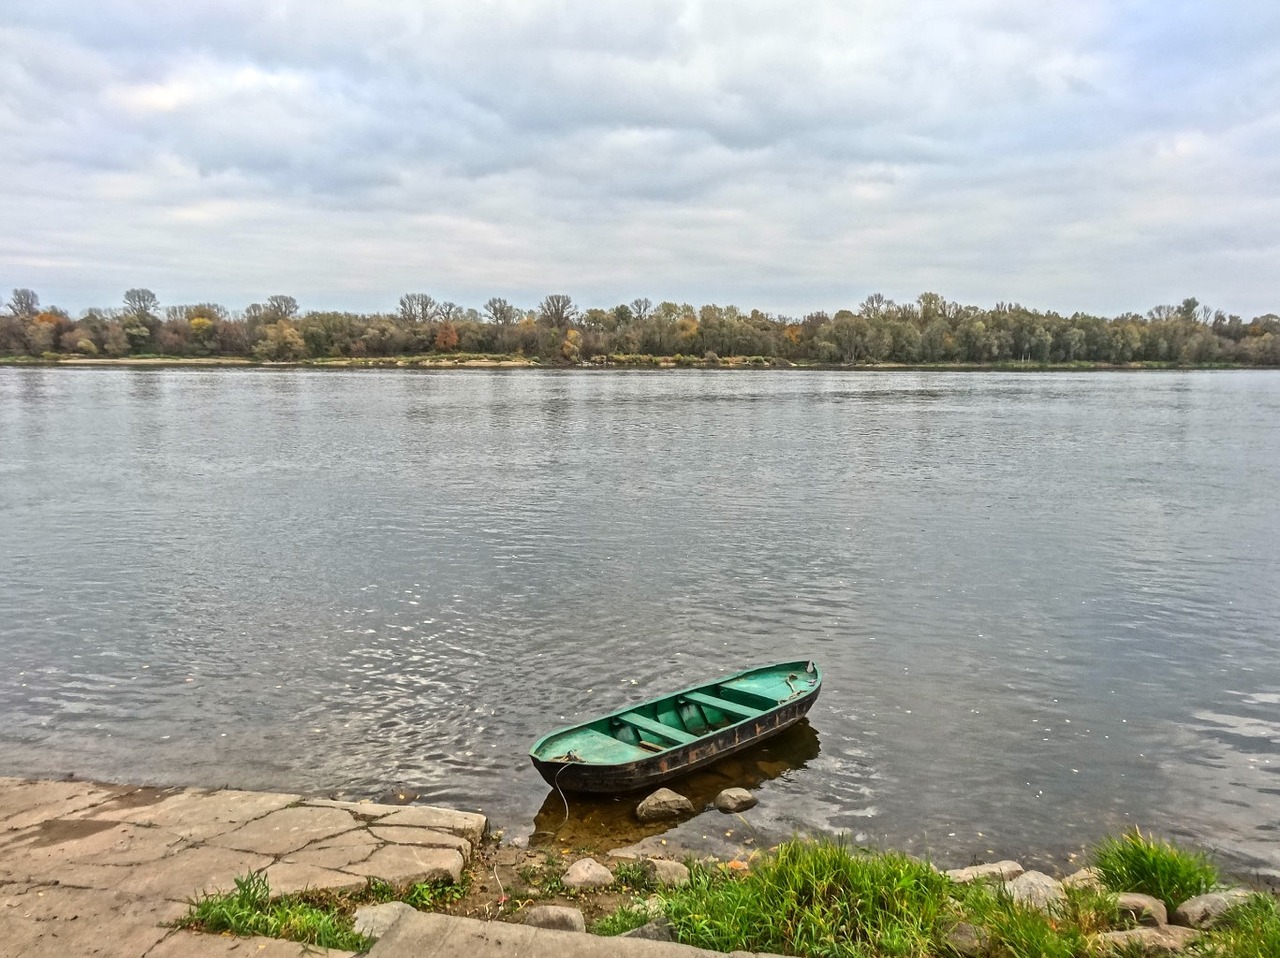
[546, 879]
[1249, 930]
[1135, 862]
[323, 919]
[626, 918]
[249, 910]
[632, 876]
[816, 899]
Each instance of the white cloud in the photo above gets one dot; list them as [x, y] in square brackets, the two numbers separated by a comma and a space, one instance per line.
[1090, 155]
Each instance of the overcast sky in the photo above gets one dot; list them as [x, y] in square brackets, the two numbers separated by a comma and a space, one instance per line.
[1101, 155]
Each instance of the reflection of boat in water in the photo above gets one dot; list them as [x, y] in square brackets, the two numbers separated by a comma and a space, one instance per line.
[642, 745]
[586, 820]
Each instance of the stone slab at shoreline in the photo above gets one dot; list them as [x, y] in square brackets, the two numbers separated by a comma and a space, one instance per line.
[88, 869]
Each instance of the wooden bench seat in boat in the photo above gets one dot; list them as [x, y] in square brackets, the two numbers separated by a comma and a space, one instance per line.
[676, 735]
[724, 705]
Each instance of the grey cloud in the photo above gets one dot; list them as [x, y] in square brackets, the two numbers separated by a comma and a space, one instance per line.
[960, 145]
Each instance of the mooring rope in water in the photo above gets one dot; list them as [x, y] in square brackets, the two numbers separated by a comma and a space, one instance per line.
[572, 758]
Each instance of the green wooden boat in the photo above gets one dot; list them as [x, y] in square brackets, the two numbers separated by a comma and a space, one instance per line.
[640, 746]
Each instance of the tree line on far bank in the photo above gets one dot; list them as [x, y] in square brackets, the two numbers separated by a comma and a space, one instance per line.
[928, 329]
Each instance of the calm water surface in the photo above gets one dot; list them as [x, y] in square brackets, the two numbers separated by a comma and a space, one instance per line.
[1047, 605]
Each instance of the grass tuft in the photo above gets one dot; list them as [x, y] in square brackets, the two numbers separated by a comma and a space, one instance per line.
[626, 918]
[321, 918]
[815, 898]
[1249, 930]
[249, 910]
[1135, 862]
[633, 876]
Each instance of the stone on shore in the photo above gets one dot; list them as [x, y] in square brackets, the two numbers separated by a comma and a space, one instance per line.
[1002, 871]
[556, 917]
[1084, 878]
[1035, 890]
[664, 872]
[657, 930]
[967, 939]
[735, 800]
[1167, 939]
[1203, 911]
[663, 803]
[374, 921]
[587, 873]
[1144, 909]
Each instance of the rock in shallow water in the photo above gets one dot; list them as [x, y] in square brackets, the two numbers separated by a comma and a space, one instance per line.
[663, 803]
[735, 800]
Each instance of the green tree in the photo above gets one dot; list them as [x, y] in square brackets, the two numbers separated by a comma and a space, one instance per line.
[280, 342]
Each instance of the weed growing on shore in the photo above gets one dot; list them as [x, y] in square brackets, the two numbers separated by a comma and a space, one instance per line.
[626, 918]
[632, 876]
[321, 918]
[249, 910]
[1250, 928]
[1134, 862]
[816, 898]
[547, 879]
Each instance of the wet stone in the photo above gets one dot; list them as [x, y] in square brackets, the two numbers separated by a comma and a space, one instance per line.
[735, 800]
[664, 803]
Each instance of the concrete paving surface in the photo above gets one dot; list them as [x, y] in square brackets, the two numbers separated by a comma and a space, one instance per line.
[425, 935]
[88, 869]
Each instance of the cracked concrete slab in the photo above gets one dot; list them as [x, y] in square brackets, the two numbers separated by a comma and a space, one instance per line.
[428, 837]
[92, 869]
[287, 830]
[191, 872]
[201, 814]
[30, 802]
[287, 878]
[403, 864]
[338, 852]
[60, 921]
[189, 944]
[468, 825]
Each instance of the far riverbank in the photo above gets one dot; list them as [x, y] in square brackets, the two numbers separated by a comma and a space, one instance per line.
[627, 362]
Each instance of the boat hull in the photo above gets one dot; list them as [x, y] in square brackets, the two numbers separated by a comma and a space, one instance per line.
[653, 770]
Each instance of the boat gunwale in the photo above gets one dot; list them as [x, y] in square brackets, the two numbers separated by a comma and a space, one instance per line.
[803, 663]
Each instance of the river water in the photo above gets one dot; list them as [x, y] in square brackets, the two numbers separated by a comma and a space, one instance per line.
[1047, 605]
